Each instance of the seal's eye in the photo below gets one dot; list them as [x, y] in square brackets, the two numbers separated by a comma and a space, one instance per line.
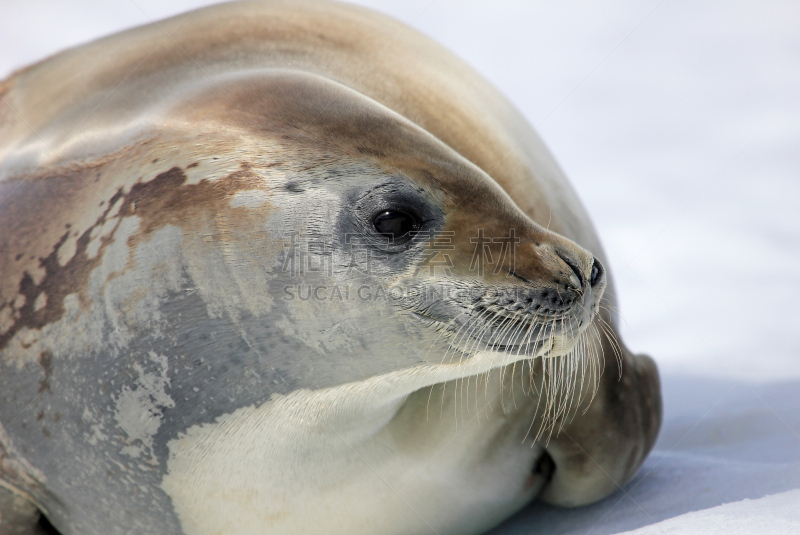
[394, 225]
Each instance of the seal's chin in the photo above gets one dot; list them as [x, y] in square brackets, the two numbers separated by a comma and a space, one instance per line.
[568, 366]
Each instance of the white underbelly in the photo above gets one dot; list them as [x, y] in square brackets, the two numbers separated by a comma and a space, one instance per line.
[327, 462]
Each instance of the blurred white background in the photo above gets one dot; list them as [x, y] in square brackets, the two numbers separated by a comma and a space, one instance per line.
[678, 122]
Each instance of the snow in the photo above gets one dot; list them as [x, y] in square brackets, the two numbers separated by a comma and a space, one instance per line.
[679, 125]
[772, 514]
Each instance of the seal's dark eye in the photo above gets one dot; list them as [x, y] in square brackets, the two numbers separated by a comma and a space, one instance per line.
[394, 225]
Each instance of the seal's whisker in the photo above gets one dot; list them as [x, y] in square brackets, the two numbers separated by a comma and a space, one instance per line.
[532, 383]
[469, 325]
[600, 365]
[531, 322]
[510, 329]
[586, 367]
[519, 325]
[614, 348]
[561, 379]
[541, 336]
[470, 351]
[506, 324]
[476, 350]
[580, 370]
[612, 339]
[605, 303]
[588, 360]
[570, 377]
[444, 357]
[584, 357]
[564, 383]
[455, 341]
[547, 380]
[546, 340]
[442, 331]
[471, 348]
[604, 327]
[547, 385]
[473, 323]
[500, 332]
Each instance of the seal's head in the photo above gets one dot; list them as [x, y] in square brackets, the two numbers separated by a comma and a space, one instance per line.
[389, 214]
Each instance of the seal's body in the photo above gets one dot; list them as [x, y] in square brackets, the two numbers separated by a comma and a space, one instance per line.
[283, 267]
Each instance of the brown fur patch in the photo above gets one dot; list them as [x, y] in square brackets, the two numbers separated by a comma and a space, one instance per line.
[164, 200]
[46, 362]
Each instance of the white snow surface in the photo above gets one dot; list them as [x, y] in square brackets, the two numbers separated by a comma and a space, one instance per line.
[679, 125]
[772, 514]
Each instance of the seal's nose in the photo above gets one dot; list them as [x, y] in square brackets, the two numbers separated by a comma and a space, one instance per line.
[577, 278]
[574, 264]
[598, 273]
[587, 271]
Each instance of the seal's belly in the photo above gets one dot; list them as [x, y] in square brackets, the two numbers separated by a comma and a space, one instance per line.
[318, 462]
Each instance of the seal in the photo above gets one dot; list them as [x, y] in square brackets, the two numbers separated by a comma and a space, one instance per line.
[291, 267]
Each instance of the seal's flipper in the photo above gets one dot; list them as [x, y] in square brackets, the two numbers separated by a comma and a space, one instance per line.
[599, 451]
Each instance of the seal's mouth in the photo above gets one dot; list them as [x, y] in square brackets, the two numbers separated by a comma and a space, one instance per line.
[525, 333]
[489, 334]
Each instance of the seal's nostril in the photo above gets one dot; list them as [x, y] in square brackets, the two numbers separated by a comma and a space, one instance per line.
[597, 272]
[577, 281]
